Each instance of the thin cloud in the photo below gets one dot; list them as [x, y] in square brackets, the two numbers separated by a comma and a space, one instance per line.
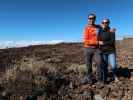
[12, 44]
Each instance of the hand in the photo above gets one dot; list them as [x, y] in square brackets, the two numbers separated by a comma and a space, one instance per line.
[101, 42]
[113, 30]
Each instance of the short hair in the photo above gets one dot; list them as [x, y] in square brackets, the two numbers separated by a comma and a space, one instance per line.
[92, 14]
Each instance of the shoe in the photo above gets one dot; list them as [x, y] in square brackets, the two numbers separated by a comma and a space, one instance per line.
[100, 84]
[116, 80]
[86, 80]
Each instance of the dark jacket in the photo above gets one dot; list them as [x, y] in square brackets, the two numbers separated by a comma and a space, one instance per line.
[108, 39]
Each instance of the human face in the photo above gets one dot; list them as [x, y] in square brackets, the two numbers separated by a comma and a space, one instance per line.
[105, 23]
[91, 20]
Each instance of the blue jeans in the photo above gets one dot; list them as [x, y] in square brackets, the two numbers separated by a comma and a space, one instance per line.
[109, 58]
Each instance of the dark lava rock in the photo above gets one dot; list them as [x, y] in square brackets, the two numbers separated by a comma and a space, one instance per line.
[51, 74]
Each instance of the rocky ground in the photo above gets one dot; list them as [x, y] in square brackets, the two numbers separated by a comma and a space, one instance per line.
[55, 72]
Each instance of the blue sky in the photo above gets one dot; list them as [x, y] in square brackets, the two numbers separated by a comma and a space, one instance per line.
[60, 19]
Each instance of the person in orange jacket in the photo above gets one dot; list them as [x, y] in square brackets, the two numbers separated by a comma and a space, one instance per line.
[91, 45]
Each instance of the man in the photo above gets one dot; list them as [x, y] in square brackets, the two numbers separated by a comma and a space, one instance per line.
[91, 45]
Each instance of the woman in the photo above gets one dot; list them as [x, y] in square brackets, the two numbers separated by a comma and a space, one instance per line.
[107, 46]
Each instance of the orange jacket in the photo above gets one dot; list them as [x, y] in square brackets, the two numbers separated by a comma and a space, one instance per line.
[90, 36]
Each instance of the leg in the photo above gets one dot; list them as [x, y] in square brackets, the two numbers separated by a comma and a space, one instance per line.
[98, 61]
[89, 52]
[104, 66]
[112, 62]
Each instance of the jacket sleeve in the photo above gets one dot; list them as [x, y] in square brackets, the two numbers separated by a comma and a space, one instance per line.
[111, 40]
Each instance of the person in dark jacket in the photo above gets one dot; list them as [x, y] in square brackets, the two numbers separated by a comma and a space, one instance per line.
[107, 46]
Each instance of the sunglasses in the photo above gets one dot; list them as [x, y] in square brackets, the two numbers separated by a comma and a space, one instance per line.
[92, 18]
[105, 22]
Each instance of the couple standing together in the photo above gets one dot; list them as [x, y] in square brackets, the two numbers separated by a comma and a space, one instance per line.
[99, 43]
